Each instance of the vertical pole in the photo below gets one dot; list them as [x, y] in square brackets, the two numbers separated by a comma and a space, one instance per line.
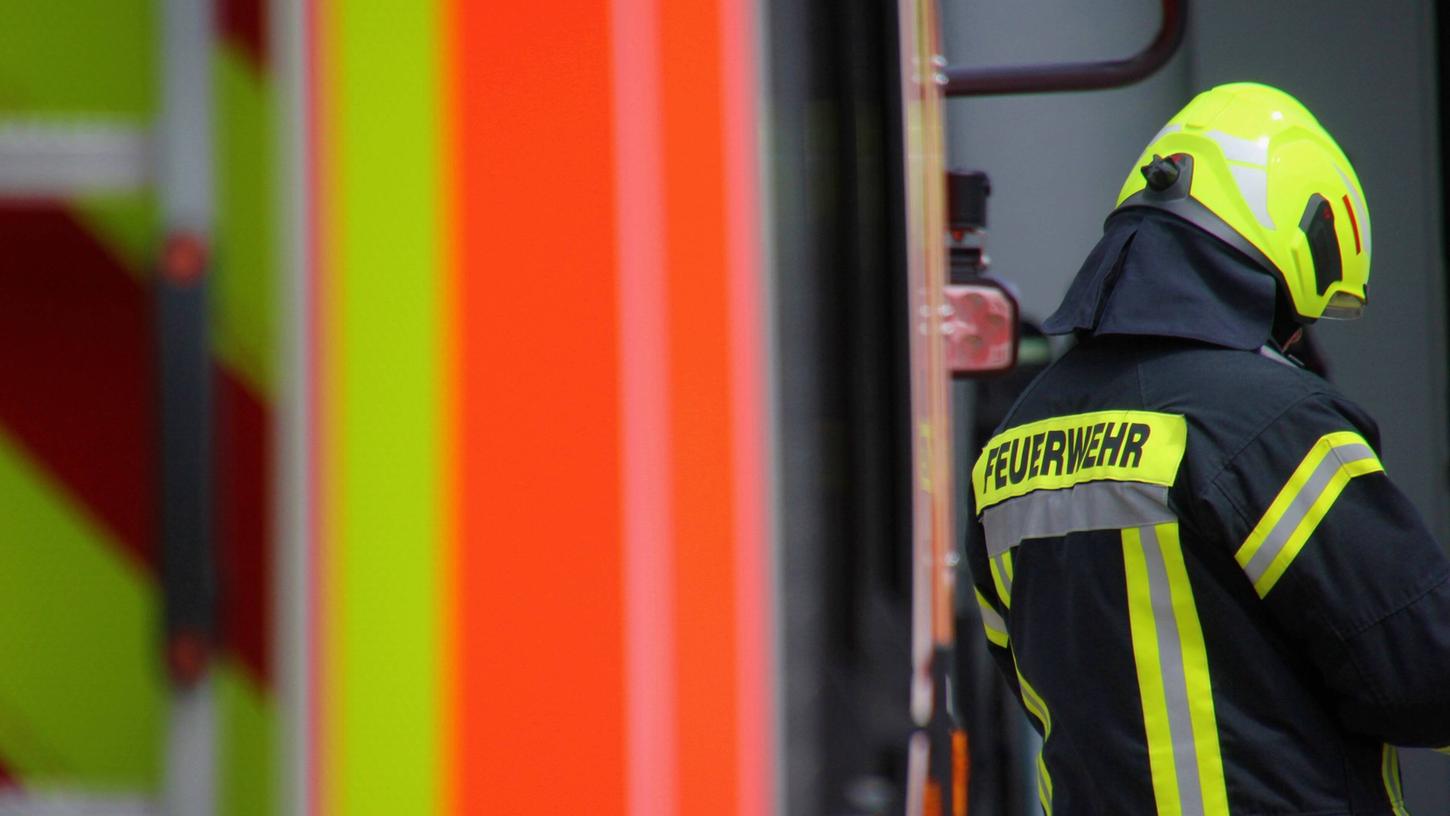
[185, 192]
[291, 38]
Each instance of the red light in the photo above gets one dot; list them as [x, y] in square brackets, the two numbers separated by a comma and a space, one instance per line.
[183, 260]
[981, 332]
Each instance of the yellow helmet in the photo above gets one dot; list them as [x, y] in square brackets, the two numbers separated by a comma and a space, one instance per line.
[1250, 165]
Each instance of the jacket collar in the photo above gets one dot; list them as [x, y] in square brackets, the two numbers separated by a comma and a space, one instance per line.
[1155, 274]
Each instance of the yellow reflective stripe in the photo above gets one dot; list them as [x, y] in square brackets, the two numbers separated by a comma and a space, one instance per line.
[992, 622]
[1390, 772]
[1037, 707]
[1195, 669]
[1001, 568]
[1445, 750]
[1133, 446]
[1150, 680]
[1174, 684]
[1044, 787]
[1301, 504]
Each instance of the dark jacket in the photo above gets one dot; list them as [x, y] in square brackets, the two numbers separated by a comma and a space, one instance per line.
[1194, 570]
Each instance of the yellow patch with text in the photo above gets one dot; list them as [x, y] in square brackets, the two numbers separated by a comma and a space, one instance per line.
[1129, 446]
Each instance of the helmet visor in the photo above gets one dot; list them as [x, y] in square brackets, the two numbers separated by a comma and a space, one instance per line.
[1343, 306]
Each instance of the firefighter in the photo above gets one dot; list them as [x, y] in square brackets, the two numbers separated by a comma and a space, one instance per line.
[1190, 563]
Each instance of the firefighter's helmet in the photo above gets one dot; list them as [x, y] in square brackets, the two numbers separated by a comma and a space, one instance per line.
[1250, 165]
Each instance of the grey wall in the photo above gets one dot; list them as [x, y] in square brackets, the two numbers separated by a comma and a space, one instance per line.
[1056, 160]
[1368, 70]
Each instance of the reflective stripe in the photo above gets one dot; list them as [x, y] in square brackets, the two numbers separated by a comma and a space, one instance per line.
[1301, 504]
[1390, 772]
[1167, 129]
[1253, 184]
[1001, 567]
[1091, 506]
[1237, 149]
[1358, 208]
[1445, 750]
[1037, 707]
[1173, 678]
[992, 622]
[1272, 354]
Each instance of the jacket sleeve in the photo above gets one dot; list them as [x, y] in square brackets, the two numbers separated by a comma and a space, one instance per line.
[990, 611]
[1345, 567]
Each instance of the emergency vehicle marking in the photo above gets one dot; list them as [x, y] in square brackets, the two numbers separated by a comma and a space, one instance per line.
[1301, 504]
[1056, 453]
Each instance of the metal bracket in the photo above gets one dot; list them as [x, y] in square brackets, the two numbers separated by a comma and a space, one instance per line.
[1076, 76]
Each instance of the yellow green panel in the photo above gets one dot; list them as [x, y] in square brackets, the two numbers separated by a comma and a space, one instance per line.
[83, 707]
[75, 60]
[248, 722]
[382, 211]
[78, 56]
[127, 225]
[244, 274]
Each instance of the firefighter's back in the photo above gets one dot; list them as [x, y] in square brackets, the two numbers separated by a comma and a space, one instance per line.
[1139, 508]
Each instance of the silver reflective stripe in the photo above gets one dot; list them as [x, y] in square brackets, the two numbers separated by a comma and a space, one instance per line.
[991, 618]
[1092, 506]
[1253, 183]
[1167, 129]
[1175, 684]
[1266, 351]
[1001, 559]
[1299, 507]
[1248, 151]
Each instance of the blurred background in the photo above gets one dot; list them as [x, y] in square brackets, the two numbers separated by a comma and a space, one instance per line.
[424, 406]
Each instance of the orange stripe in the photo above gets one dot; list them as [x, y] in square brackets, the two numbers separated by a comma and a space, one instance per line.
[540, 696]
[450, 500]
[702, 456]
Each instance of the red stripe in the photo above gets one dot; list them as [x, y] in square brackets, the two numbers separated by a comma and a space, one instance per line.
[77, 362]
[77, 357]
[541, 664]
[243, 522]
[243, 23]
[1353, 222]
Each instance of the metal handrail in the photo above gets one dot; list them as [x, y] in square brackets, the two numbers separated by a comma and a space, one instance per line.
[1075, 76]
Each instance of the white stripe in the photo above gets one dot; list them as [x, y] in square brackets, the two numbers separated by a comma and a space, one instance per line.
[1253, 184]
[59, 803]
[1248, 151]
[650, 680]
[58, 158]
[1167, 129]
